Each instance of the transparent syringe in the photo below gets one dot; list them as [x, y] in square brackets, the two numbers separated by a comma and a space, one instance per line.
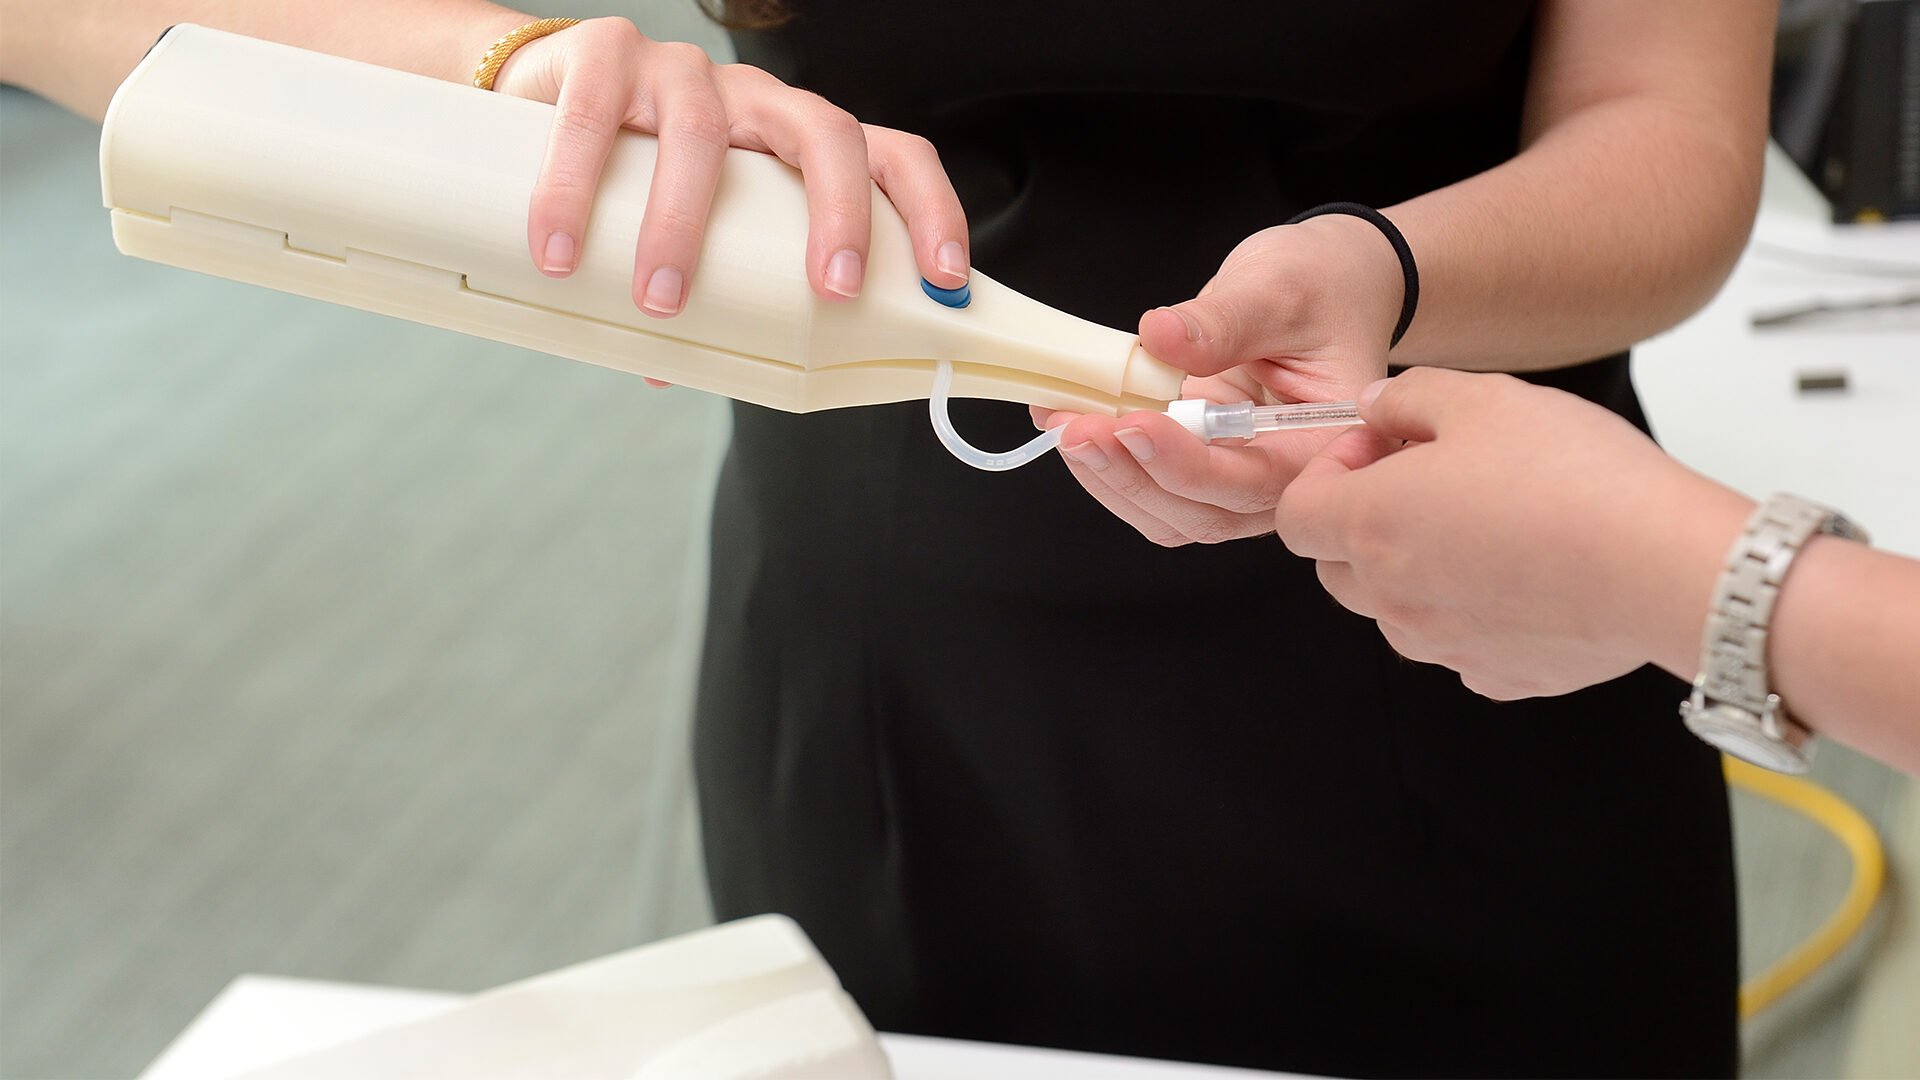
[1244, 420]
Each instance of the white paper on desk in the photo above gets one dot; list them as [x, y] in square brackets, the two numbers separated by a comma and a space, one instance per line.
[746, 999]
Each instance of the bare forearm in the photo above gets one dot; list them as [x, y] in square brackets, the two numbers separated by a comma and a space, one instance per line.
[1631, 199]
[77, 53]
[1615, 226]
[1844, 637]
[1845, 645]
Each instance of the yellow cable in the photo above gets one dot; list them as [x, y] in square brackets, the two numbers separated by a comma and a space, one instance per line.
[1854, 832]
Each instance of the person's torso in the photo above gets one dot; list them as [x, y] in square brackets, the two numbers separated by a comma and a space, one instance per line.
[1110, 155]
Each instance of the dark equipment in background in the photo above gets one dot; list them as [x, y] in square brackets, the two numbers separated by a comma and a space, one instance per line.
[1846, 102]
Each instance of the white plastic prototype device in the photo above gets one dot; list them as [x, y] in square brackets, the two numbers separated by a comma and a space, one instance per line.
[747, 1000]
[408, 196]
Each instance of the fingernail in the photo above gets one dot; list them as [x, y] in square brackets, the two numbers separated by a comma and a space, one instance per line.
[558, 256]
[951, 259]
[663, 291]
[1193, 328]
[843, 273]
[1372, 391]
[1137, 442]
[1087, 454]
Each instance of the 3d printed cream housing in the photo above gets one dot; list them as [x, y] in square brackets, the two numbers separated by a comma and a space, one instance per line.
[408, 196]
[747, 1000]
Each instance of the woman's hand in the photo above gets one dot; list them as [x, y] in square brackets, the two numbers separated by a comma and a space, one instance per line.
[1296, 313]
[604, 74]
[1527, 539]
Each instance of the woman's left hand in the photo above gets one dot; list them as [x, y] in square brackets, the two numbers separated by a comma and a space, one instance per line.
[1531, 541]
[1296, 313]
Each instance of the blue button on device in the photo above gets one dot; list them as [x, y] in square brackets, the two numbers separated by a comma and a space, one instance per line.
[954, 298]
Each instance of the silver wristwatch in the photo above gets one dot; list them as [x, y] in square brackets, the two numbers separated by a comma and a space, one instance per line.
[1732, 705]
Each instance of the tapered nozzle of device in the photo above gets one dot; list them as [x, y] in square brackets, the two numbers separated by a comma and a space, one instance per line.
[1243, 420]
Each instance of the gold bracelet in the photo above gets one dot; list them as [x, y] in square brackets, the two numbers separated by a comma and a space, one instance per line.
[496, 56]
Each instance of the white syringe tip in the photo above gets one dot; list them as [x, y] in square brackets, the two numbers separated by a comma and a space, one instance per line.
[1190, 413]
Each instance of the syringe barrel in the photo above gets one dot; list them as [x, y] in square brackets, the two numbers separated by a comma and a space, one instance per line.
[1243, 420]
[1311, 414]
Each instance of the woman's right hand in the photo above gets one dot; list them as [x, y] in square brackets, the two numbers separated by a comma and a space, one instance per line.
[604, 74]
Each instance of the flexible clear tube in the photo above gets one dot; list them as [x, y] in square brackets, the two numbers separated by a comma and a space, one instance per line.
[1205, 419]
[966, 451]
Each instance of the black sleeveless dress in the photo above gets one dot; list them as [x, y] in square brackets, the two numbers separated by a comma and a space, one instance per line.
[1025, 776]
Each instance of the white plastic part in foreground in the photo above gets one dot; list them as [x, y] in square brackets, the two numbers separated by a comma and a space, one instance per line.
[749, 999]
[408, 196]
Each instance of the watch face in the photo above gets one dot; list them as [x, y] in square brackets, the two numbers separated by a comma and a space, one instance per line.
[1738, 732]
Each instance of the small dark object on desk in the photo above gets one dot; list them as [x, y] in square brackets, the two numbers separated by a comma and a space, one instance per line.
[1816, 381]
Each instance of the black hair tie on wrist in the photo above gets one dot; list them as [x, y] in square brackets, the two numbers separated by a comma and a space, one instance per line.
[1407, 269]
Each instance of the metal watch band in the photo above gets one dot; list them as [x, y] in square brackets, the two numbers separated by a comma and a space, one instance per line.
[1733, 659]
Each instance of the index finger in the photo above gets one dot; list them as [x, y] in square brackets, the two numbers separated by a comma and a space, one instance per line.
[1242, 479]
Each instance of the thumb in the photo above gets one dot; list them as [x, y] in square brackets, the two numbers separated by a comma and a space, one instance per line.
[1311, 515]
[1417, 404]
[1351, 451]
[1355, 448]
[1240, 317]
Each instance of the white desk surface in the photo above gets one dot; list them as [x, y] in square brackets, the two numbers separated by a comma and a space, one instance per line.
[260, 1019]
[1723, 397]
